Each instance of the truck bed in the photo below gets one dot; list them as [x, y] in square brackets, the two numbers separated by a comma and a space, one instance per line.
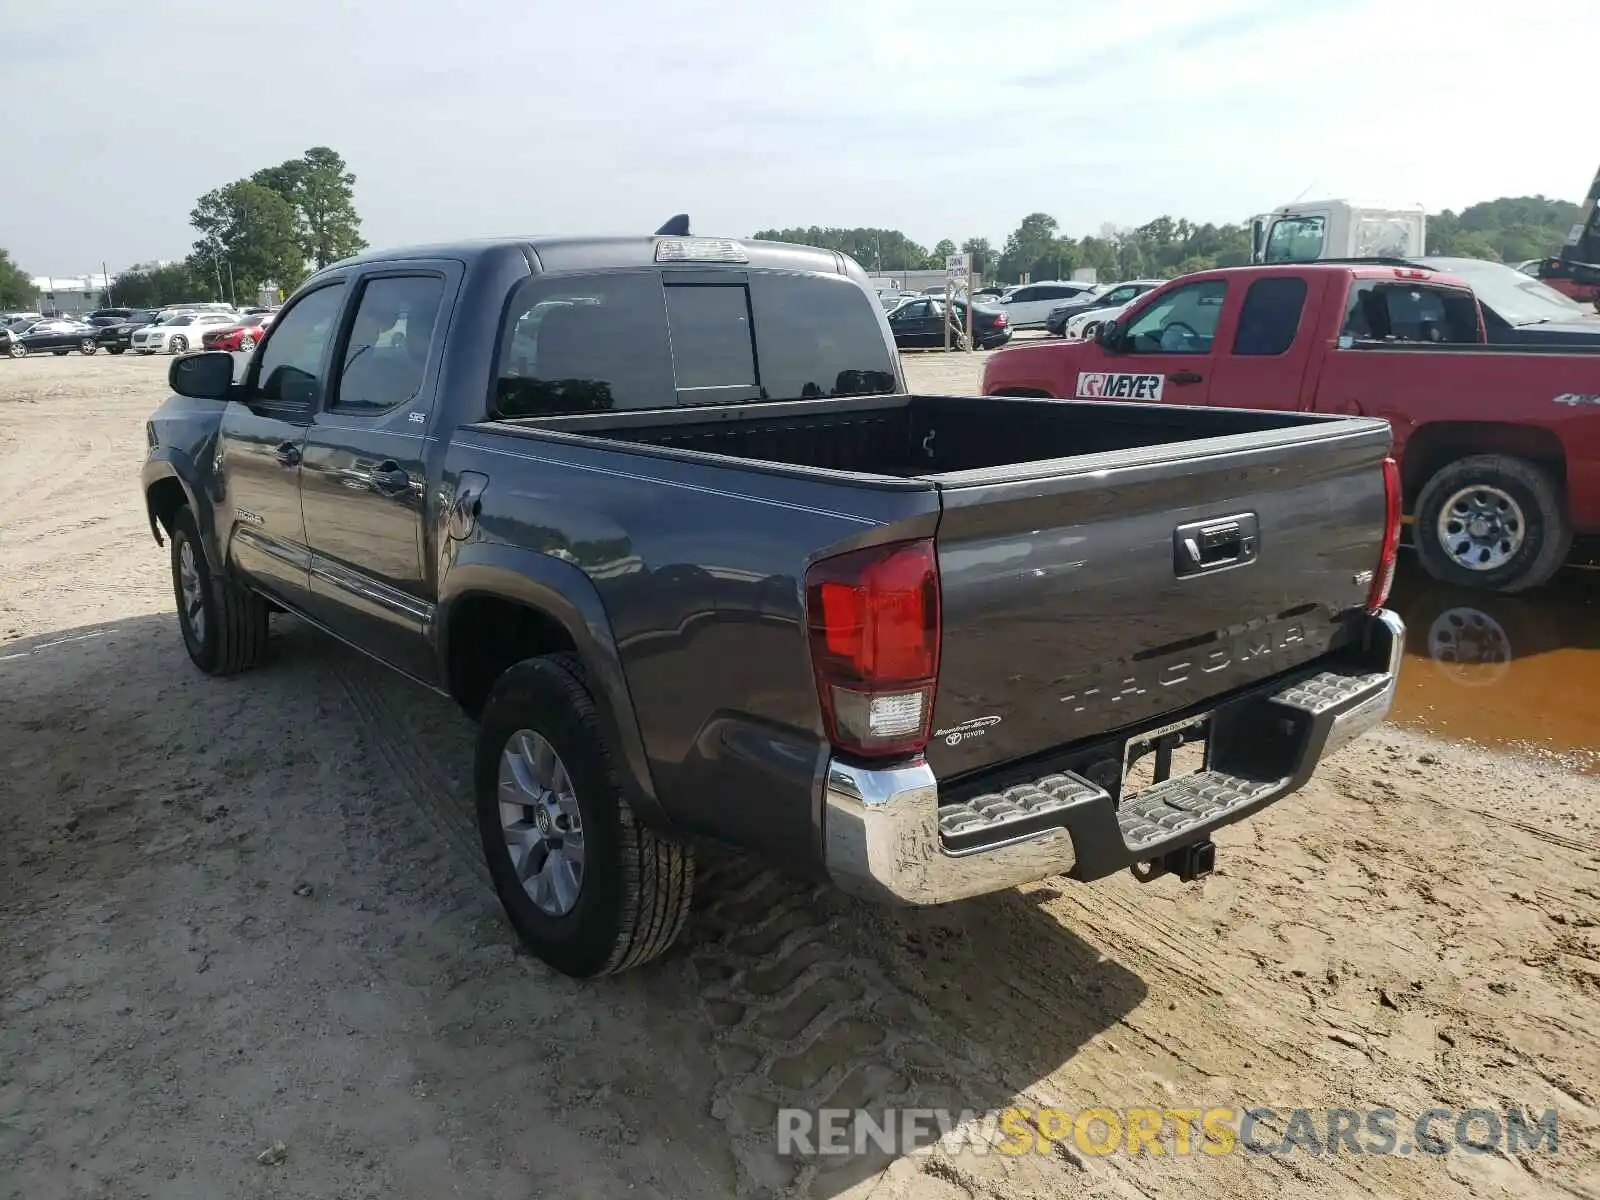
[909, 436]
[1063, 528]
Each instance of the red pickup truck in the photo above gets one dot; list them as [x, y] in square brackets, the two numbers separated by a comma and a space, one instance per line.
[1499, 444]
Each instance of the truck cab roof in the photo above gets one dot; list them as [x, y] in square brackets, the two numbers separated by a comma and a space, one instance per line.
[562, 254]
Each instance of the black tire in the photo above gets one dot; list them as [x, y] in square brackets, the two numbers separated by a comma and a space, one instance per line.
[637, 885]
[18, 350]
[1547, 537]
[115, 349]
[232, 637]
[88, 346]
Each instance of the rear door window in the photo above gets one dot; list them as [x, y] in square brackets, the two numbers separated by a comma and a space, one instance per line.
[1270, 317]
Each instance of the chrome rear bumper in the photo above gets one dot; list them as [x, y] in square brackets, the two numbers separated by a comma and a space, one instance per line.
[884, 829]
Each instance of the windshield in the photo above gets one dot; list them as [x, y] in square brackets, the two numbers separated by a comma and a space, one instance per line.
[181, 321]
[1519, 299]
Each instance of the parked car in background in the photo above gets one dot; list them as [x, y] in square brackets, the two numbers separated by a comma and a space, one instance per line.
[1498, 445]
[9, 340]
[1519, 309]
[117, 336]
[1083, 326]
[1113, 297]
[58, 336]
[1029, 306]
[13, 319]
[241, 335]
[919, 323]
[179, 333]
[120, 313]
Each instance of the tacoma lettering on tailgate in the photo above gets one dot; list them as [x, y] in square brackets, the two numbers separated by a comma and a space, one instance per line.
[1118, 683]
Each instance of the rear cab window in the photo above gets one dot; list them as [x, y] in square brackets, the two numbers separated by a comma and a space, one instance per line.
[629, 340]
[1400, 311]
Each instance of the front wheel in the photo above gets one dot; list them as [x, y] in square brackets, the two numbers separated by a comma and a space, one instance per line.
[178, 344]
[88, 346]
[224, 626]
[18, 350]
[586, 887]
[1493, 522]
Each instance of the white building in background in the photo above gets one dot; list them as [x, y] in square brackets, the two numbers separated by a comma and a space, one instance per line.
[71, 294]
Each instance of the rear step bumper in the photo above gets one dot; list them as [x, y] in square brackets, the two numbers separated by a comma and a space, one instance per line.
[887, 836]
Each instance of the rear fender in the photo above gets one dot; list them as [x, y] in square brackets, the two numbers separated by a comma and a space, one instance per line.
[562, 592]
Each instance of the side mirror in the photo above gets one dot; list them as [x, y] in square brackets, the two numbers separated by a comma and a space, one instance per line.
[206, 376]
[1108, 337]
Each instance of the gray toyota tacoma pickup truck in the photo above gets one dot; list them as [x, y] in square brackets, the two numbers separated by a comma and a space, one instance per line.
[660, 513]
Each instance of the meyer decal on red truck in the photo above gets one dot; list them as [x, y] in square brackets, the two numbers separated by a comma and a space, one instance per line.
[1499, 444]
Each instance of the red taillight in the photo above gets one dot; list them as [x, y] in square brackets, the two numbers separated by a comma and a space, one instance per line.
[1001, 319]
[873, 616]
[1383, 577]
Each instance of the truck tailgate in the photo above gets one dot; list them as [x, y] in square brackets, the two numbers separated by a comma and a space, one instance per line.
[1073, 604]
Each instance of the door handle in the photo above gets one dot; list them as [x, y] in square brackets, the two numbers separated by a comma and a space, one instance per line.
[389, 479]
[287, 454]
[1186, 377]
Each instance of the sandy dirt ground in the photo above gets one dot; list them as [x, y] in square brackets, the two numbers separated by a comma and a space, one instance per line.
[248, 917]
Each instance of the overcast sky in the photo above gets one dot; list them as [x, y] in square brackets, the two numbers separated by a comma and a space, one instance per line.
[939, 118]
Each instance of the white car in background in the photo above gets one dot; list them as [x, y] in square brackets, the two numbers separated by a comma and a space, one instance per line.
[1029, 306]
[181, 333]
[1085, 325]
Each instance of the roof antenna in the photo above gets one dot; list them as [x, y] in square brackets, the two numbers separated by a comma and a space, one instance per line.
[678, 226]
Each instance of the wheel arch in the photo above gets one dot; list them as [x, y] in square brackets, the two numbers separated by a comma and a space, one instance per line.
[169, 485]
[499, 605]
[1438, 443]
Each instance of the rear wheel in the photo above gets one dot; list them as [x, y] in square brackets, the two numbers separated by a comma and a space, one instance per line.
[88, 346]
[247, 343]
[586, 887]
[224, 626]
[1492, 522]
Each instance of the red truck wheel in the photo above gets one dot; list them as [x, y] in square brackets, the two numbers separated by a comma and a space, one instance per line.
[1492, 522]
[586, 887]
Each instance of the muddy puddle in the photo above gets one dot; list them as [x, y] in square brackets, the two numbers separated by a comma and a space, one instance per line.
[1517, 672]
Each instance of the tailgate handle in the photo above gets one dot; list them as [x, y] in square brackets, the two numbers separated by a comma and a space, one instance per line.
[1214, 545]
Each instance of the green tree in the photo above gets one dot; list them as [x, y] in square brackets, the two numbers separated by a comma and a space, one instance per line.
[1032, 243]
[16, 285]
[152, 286]
[877, 250]
[248, 236]
[322, 193]
[939, 253]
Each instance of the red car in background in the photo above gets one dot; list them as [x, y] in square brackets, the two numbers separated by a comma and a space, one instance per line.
[242, 336]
